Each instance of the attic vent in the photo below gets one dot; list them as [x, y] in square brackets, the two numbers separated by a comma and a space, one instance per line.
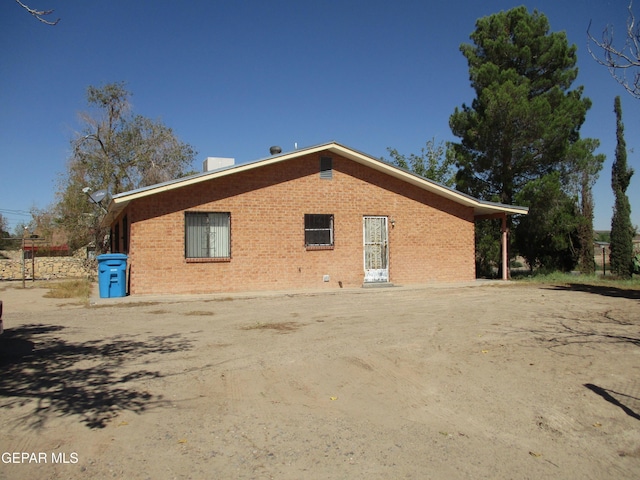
[275, 150]
[326, 167]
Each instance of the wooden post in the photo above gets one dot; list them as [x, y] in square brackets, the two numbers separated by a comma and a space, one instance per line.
[505, 256]
[33, 261]
[503, 242]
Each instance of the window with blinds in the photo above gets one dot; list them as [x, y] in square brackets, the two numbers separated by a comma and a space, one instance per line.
[207, 235]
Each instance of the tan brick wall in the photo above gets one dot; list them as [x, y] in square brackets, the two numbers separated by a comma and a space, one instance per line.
[432, 241]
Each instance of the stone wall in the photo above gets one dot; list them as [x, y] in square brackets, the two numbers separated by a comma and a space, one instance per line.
[46, 268]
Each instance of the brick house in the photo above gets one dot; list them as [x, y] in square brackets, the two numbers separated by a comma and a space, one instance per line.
[325, 216]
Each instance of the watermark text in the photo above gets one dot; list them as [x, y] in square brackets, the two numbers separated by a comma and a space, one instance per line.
[40, 457]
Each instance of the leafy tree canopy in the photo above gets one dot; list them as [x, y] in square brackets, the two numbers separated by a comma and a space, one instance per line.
[434, 162]
[116, 151]
[548, 237]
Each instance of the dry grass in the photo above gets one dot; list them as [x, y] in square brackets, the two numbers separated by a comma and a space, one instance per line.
[77, 288]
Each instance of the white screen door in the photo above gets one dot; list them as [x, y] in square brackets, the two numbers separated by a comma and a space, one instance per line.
[376, 249]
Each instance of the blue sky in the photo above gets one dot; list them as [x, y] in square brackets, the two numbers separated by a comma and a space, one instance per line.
[233, 78]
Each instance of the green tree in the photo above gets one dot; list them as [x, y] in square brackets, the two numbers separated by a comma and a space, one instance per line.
[582, 170]
[488, 248]
[524, 116]
[548, 237]
[622, 231]
[115, 151]
[434, 162]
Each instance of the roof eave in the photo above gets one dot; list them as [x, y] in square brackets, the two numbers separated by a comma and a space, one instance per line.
[480, 207]
[119, 202]
[489, 208]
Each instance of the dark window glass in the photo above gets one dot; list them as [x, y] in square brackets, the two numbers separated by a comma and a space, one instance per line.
[318, 230]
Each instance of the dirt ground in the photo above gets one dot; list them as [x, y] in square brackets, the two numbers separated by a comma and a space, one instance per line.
[485, 380]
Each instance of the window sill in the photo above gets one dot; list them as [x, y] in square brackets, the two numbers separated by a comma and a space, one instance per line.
[209, 260]
[318, 247]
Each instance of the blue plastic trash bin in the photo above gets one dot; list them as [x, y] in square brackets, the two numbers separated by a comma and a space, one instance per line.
[112, 275]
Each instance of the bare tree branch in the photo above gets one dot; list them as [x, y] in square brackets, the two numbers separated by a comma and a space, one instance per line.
[39, 13]
[623, 63]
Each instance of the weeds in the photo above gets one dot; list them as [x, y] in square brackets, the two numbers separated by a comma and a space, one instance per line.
[77, 288]
[570, 278]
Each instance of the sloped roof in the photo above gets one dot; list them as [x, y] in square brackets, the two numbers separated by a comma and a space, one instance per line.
[480, 207]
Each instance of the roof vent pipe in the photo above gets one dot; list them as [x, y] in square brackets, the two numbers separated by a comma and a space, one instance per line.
[275, 150]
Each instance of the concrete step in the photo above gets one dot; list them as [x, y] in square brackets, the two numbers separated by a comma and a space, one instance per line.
[377, 285]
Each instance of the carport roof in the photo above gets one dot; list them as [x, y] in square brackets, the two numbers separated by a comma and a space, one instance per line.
[481, 208]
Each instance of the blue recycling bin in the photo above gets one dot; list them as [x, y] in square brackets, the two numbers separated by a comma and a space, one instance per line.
[112, 275]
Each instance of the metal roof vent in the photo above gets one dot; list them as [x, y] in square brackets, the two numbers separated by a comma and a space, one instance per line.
[275, 150]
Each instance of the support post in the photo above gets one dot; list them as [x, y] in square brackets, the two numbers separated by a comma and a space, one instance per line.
[505, 255]
[504, 246]
[33, 262]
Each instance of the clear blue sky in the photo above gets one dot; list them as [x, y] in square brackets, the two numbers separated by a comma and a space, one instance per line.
[233, 78]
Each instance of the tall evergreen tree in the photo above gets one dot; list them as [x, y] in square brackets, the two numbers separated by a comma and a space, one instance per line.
[524, 116]
[582, 170]
[621, 229]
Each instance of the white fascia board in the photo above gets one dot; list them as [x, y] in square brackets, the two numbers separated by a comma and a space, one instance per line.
[480, 207]
[203, 177]
[120, 201]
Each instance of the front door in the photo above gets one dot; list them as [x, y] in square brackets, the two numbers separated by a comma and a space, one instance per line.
[376, 249]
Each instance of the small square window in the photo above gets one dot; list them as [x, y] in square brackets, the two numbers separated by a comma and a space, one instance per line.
[318, 230]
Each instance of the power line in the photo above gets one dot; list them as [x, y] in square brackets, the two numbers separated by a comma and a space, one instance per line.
[15, 212]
